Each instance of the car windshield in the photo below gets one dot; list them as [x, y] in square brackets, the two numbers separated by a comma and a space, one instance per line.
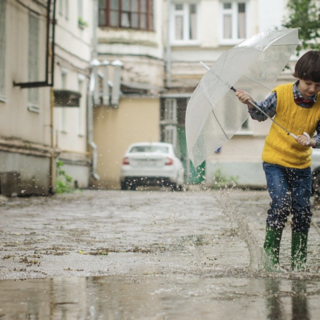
[150, 149]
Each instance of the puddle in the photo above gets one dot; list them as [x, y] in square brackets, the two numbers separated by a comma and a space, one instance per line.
[159, 297]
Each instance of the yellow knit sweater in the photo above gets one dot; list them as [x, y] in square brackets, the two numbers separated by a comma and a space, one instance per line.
[282, 149]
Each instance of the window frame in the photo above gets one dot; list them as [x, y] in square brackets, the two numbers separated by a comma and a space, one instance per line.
[170, 135]
[61, 7]
[246, 128]
[149, 15]
[63, 111]
[81, 110]
[234, 20]
[170, 111]
[185, 13]
[67, 9]
[80, 9]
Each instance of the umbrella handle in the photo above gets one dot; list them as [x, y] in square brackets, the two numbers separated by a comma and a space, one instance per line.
[308, 137]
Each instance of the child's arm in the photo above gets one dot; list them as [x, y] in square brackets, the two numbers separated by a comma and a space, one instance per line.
[268, 106]
[316, 138]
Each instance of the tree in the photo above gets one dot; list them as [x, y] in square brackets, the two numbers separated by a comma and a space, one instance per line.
[305, 15]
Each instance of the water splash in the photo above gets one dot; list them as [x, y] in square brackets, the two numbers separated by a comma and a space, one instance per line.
[257, 254]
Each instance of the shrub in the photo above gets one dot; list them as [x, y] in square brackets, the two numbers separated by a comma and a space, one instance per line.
[221, 180]
[63, 181]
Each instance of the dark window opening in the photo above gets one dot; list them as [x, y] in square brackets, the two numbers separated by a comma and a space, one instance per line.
[133, 14]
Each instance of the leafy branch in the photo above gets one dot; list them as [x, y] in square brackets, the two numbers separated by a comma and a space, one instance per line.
[305, 15]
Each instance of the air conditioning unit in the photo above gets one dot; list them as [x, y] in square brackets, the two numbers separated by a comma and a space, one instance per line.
[66, 98]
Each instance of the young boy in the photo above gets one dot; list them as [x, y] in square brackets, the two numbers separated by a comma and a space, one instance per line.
[287, 161]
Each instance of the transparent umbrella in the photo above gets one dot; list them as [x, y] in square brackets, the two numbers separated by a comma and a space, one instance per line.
[214, 113]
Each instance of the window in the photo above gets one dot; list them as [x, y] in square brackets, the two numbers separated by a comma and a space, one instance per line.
[33, 61]
[2, 47]
[170, 119]
[234, 25]
[82, 110]
[134, 14]
[61, 7]
[246, 128]
[64, 79]
[80, 8]
[64, 8]
[67, 8]
[170, 135]
[170, 110]
[245, 125]
[184, 22]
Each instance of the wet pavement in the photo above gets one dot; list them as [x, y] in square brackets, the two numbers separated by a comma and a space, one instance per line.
[149, 254]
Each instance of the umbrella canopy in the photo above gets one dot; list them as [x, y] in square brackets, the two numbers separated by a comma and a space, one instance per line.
[214, 113]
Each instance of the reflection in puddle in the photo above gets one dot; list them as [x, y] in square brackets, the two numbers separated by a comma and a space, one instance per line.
[300, 308]
[276, 300]
[159, 297]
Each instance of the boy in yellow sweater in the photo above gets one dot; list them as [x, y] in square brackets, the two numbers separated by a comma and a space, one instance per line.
[287, 161]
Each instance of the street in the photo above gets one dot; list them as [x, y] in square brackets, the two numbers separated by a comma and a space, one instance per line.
[148, 254]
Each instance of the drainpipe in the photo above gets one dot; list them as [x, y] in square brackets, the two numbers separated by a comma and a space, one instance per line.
[92, 90]
[52, 160]
[93, 146]
[168, 58]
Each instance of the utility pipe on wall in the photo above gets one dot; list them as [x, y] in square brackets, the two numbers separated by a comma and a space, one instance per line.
[92, 85]
[168, 55]
[92, 93]
[52, 160]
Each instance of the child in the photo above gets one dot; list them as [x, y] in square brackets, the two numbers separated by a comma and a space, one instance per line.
[286, 161]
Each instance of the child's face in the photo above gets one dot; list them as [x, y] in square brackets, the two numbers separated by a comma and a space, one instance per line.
[308, 88]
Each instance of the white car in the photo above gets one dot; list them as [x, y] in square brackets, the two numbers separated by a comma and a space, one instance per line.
[315, 169]
[151, 164]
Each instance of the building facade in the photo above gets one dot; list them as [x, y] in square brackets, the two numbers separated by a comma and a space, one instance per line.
[123, 72]
[73, 53]
[160, 43]
[25, 147]
[40, 55]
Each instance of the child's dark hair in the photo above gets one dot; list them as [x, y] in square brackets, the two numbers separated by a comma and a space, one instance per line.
[308, 66]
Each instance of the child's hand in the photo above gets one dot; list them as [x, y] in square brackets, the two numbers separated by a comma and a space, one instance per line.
[304, 141]
[243, 96]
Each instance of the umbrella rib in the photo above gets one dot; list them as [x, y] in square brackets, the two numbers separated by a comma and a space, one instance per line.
[219, 125]
[256, 81]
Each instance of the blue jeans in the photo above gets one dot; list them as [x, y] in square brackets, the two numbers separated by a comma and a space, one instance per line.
[290, 192]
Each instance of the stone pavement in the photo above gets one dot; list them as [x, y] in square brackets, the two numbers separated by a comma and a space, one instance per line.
[114, 232]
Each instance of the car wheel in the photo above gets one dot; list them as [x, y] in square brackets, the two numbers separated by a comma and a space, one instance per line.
[133, 187]
[124, 186]
[173, 186]
[180, 188]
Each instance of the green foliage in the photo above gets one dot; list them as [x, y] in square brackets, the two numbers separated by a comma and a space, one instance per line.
[82, 24]
[64, 181]
[305, 15]
[221, 180]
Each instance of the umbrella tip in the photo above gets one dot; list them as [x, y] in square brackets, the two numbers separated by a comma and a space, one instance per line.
[204, 65]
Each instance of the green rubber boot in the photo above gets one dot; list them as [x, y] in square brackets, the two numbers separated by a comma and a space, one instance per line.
[299, 251]
[272, 248]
